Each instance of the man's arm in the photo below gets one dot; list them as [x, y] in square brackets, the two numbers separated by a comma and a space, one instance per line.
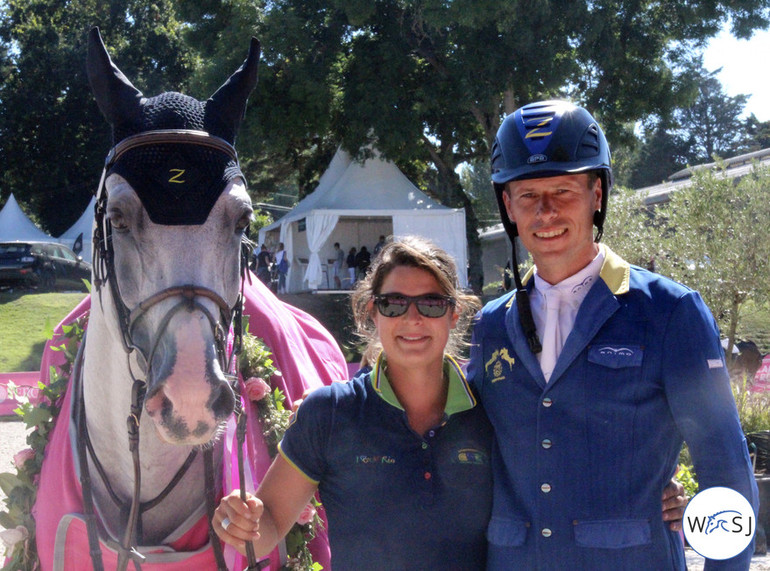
[698, 390]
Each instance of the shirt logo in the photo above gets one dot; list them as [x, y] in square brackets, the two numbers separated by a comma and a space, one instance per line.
[470, 456]
[375, 459]
[496, 362]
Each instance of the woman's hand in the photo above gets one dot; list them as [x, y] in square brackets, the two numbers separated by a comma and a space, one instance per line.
[236, 521]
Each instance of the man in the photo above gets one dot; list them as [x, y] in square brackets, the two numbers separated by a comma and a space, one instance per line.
[593, 372]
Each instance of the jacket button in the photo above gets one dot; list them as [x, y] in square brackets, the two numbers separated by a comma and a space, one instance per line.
[545, 532]
[545, 488]
[546, 443]
[547, 402]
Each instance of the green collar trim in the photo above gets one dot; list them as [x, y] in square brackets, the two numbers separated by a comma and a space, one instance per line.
[459, 396]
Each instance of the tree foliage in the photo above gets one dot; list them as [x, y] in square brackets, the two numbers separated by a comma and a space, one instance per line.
[53, 137]
[711, 126]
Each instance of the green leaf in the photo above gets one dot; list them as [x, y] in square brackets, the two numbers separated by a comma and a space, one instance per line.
[8, 482]
[48, 328]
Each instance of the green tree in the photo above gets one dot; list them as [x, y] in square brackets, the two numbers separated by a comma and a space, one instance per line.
[715, 243]
[712, 126]
[631, 230]
[758, 133]
[53, 138]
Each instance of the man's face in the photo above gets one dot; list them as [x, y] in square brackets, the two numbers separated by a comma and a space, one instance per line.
[554, 218]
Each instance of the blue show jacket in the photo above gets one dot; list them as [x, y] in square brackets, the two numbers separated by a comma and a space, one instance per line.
[580, 463]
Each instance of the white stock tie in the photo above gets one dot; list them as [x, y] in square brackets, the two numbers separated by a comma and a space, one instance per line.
[552, 339]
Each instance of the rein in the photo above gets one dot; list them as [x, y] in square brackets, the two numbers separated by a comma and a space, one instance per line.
[104, 273]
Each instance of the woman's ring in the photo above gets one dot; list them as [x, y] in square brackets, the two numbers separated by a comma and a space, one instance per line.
[226, 523]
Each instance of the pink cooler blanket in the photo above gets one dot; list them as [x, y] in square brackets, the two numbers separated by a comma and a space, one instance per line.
[307, 356]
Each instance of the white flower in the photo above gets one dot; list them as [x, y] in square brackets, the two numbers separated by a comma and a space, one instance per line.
[11, 537]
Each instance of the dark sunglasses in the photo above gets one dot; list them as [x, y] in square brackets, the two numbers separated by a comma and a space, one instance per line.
[428, 305]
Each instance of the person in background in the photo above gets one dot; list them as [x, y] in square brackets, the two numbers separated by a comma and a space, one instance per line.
[339, 259]
[264, 259]
[282, 266]
[378, 246]
[363, 259]
[351, 263]
[592, 370]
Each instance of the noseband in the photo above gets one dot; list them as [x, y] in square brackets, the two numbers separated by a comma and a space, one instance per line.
[189, 297]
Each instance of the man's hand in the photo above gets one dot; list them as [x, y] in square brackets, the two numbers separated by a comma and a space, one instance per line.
[674, 503]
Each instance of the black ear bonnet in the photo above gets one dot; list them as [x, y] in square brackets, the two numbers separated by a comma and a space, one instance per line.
[177, 180]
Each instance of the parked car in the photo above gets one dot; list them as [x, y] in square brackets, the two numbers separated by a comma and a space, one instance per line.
[44, 265]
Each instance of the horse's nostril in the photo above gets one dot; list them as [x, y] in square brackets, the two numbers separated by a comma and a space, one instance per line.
[223, 402]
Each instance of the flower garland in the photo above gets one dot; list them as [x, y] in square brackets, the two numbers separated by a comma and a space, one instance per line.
[21, 488]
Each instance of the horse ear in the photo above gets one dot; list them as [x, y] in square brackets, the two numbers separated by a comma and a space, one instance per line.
[117, 98]
[230, 99]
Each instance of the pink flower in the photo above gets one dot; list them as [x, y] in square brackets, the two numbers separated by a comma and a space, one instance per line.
[21, 457]
[307, 515]
[256, 388]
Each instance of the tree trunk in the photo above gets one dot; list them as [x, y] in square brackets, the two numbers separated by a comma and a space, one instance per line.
[454, 196]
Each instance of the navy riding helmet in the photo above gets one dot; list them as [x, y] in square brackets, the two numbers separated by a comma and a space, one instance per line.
[551, 138]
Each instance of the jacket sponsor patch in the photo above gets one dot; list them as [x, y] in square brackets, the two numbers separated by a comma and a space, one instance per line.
[616, 356]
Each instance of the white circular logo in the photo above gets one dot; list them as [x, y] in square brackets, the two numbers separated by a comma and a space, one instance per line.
[719, 523]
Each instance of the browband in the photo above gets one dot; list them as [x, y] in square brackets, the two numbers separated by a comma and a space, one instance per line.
[173, 136]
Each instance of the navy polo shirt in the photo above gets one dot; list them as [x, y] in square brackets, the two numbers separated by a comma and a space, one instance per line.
[396, 499]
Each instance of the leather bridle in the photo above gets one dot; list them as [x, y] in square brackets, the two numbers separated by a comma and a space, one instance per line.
[229, 318]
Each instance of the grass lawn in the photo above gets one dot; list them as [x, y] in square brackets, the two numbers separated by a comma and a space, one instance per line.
[26, 318]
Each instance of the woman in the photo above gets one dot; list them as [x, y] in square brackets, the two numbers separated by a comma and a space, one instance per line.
[401, 453]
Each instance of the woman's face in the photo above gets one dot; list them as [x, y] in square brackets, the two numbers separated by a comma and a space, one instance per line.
[411, 339]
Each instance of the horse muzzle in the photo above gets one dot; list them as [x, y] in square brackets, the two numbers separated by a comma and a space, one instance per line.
[188, 396]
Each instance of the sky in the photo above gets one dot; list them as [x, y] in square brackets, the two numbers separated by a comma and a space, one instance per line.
[741, 69]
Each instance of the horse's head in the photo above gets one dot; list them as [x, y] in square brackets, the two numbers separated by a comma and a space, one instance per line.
[171, 213]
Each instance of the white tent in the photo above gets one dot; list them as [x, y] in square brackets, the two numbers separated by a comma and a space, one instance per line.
[15, 225]
[83, 228]
[354, 204]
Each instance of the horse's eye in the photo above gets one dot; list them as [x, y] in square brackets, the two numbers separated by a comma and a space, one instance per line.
[243, 222]
[118, 220]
